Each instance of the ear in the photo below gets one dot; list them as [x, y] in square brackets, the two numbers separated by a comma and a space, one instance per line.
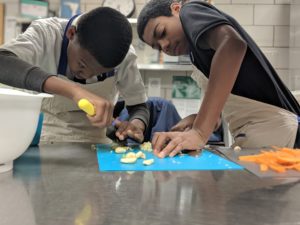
[71, 32]
[175, 8]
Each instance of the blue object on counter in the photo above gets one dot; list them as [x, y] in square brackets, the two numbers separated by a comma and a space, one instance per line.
[108, 160]
[28, 165]
[37, 136]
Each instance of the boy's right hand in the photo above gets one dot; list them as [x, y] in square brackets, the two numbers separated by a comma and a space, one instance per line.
[103, 108]
[185, 124]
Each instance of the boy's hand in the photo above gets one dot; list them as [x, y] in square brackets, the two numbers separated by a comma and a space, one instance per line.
[185, 124]
[133, 129]
[103, 109]
[171, 143]
[104, 112]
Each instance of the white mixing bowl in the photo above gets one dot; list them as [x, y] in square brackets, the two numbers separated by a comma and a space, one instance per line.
[19, 114]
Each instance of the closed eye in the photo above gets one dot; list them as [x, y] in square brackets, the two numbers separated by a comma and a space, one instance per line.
[163, 33]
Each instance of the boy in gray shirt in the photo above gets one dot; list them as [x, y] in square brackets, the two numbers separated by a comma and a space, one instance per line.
[93, 59]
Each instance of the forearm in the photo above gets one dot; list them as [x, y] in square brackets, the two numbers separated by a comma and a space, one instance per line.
[224, 71]
[18, 73]
[68, 89]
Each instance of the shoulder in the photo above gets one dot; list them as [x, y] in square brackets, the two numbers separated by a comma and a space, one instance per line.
[128, 68]
[198, 17]
[195, 10]
[131, 52]
[130, 56]
[50, 24]
[196, 5]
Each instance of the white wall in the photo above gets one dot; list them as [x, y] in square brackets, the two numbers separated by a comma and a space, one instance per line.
[295, 46]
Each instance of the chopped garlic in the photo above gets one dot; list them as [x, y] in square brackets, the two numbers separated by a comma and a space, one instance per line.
[130, 155]
[128, 160]
[146, 146]
[140, 154]
[148, 162]
[237, 148]
[121, 149]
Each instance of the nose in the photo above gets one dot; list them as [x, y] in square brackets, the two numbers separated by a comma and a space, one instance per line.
[164, 45]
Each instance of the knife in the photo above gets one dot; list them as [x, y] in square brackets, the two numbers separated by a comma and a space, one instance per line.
[88, 107]
[216, 149]
[111, 133]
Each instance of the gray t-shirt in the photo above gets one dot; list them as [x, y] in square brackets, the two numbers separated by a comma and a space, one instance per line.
[27, 61]
[40, 49]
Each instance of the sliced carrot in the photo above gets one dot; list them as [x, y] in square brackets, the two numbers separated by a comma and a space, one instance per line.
[297, 167]
[279, 159]
[279, 169]
[249, 158]
[263, 167]
[288, 160]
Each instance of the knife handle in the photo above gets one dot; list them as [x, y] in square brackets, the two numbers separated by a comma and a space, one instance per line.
[86, 106]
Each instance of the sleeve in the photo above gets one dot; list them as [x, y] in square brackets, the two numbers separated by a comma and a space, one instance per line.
[18, 73]
[129, 80]
[198, 17]
[140, 111]
[35, 44]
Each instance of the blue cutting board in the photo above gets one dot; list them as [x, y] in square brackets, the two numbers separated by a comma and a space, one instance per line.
[108, 160]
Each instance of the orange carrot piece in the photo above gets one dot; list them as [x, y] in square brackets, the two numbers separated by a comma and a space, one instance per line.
[263, 167]
[279, 159]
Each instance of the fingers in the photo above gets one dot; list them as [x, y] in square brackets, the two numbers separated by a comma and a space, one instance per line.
[175, 128]
[171, 143]
[187, 128]
[166, 142]
[158, 141]
[172, 149]
[180, 128]
[176, 150]
[103, 116]
[138, 136]
[127, 129]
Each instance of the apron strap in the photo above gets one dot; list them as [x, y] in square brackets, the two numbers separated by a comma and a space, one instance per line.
[63, 60]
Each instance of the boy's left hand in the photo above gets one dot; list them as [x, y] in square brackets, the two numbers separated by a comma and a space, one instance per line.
[133, 129]
[171, 143]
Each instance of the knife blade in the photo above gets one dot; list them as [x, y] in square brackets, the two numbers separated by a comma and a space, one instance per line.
[88, 107]
[129, 142]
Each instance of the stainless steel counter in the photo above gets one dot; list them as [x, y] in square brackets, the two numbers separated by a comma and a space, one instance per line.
[60, 184]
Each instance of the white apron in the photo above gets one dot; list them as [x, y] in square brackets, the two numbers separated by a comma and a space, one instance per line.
[65, 122]
[254, 124]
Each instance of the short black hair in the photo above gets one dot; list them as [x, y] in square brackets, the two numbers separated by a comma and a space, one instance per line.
[106, 34]
[153, 9]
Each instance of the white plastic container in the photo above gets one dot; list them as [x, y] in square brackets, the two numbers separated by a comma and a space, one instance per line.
[19, 114]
